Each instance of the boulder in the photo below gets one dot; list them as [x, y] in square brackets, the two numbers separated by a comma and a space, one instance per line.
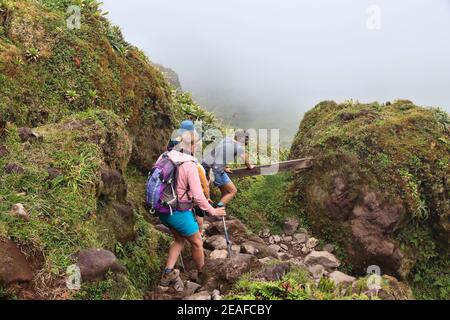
[284, 247]
[235, 248]
[323, 258]
[287, 239]
[217, 242]
[248, 248]
[290, 226]
[14, 268]
[237, 231]
[237, 265]
[218, 254]
[275, 247]
[375, 179]
[301, 237]
[317, 271]
[274, 272]
[94, 264]
[341, 278]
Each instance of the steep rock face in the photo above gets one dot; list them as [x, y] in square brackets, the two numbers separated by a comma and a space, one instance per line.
[48, 71]
[380, 181]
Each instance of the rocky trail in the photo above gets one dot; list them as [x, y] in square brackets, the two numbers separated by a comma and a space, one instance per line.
[265, 256]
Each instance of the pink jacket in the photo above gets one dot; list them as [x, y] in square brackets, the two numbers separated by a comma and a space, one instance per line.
[189, 179]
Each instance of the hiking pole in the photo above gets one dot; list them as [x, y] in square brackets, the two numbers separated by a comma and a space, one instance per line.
[226, 237]
[181, 261]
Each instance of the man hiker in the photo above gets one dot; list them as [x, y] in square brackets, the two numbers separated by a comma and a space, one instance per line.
[224, 153]
[182, 222]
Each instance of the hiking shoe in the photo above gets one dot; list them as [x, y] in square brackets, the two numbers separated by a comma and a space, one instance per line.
[170, 278]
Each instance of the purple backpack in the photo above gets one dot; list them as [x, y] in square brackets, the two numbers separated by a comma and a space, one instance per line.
[161, 194]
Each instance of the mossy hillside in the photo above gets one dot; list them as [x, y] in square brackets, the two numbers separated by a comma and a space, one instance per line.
[64, 211]
[400, 151]
[48, 71]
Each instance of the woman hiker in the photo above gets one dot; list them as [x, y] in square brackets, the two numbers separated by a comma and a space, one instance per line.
[186, 127]
[183, 224]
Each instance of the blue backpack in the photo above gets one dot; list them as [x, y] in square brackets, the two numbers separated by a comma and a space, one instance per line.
[161, 192]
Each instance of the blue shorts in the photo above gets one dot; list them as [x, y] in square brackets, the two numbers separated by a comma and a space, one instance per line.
[221, 178]
[183, 222]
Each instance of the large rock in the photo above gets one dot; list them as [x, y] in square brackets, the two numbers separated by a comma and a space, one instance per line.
[217, 242]
[14, 268]
[290, 226]
[317, 271]
[323, 258]
[218, 254]
[262, 249]
[274, 272]
[237, 231]
[94, 264]
[237, 265]
[377, 182]
[340, 278]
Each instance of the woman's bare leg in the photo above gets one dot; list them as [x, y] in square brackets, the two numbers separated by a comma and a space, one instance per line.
[175, 249]
[228, 191]
[197, 250]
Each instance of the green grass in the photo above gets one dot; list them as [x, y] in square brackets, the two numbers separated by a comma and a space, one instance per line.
[262, 202]
[295, 285]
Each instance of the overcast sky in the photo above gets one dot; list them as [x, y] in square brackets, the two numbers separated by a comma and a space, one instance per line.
[266, 62]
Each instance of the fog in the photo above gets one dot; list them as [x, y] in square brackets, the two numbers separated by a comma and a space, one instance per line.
[263, 63]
